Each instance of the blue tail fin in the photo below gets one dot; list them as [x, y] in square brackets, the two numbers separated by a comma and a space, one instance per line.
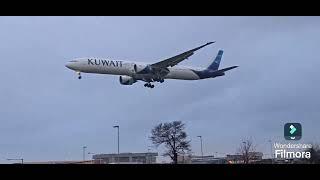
[215, 64]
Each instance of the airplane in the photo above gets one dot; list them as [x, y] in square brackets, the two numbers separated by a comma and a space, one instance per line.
[132, 72]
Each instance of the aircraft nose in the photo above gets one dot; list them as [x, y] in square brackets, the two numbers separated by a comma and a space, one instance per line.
[71, 64]
[68, 65]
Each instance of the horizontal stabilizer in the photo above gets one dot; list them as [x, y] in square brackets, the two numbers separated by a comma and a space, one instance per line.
[226, 69]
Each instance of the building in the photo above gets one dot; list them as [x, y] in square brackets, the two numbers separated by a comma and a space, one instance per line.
[62, 162]
[201, 160]
[238, 158]
[186, 159]
[208, 160]
[125, 158]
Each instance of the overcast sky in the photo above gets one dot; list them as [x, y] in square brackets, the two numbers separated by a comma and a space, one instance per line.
[46, 113]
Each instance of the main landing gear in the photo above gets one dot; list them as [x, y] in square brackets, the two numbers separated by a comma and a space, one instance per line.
[159, 80]
[79, 75]
[149, 85]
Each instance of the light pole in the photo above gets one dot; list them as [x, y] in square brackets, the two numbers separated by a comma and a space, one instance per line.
[271, 153]
[201, 145]
[148, 157]
[16, 160]
[84, 152]
[118, 140]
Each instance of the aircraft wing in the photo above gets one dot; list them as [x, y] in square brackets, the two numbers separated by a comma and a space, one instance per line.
[177, 59]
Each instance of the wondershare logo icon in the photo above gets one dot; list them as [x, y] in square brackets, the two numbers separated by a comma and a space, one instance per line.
[292, 131]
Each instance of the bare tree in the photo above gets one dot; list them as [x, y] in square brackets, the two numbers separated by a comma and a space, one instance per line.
[314, 154]
[246, 150]
[173, 136]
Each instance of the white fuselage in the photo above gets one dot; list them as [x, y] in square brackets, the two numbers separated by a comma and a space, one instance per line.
[120, 67]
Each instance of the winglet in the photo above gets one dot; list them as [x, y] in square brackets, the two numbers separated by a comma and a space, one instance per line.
[208, 43]
[195, 49]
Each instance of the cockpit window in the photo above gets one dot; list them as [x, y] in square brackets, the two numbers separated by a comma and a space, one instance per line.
[73, 61]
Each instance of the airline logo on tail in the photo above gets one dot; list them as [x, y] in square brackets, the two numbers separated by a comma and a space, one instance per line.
[215, 64]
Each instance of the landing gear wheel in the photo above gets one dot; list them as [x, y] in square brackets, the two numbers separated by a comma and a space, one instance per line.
[79, 75]
[149, 85]
[161, 81]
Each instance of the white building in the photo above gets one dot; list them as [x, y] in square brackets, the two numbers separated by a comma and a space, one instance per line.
[126, 158]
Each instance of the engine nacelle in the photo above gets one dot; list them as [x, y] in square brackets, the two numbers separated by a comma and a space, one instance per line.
[126, 80]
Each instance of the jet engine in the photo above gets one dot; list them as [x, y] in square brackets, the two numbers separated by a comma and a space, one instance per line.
[126, 80]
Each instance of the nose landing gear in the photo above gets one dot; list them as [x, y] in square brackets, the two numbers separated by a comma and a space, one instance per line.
[79, 75]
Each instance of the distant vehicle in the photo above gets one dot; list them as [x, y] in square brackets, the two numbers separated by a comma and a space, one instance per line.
[131, 72]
